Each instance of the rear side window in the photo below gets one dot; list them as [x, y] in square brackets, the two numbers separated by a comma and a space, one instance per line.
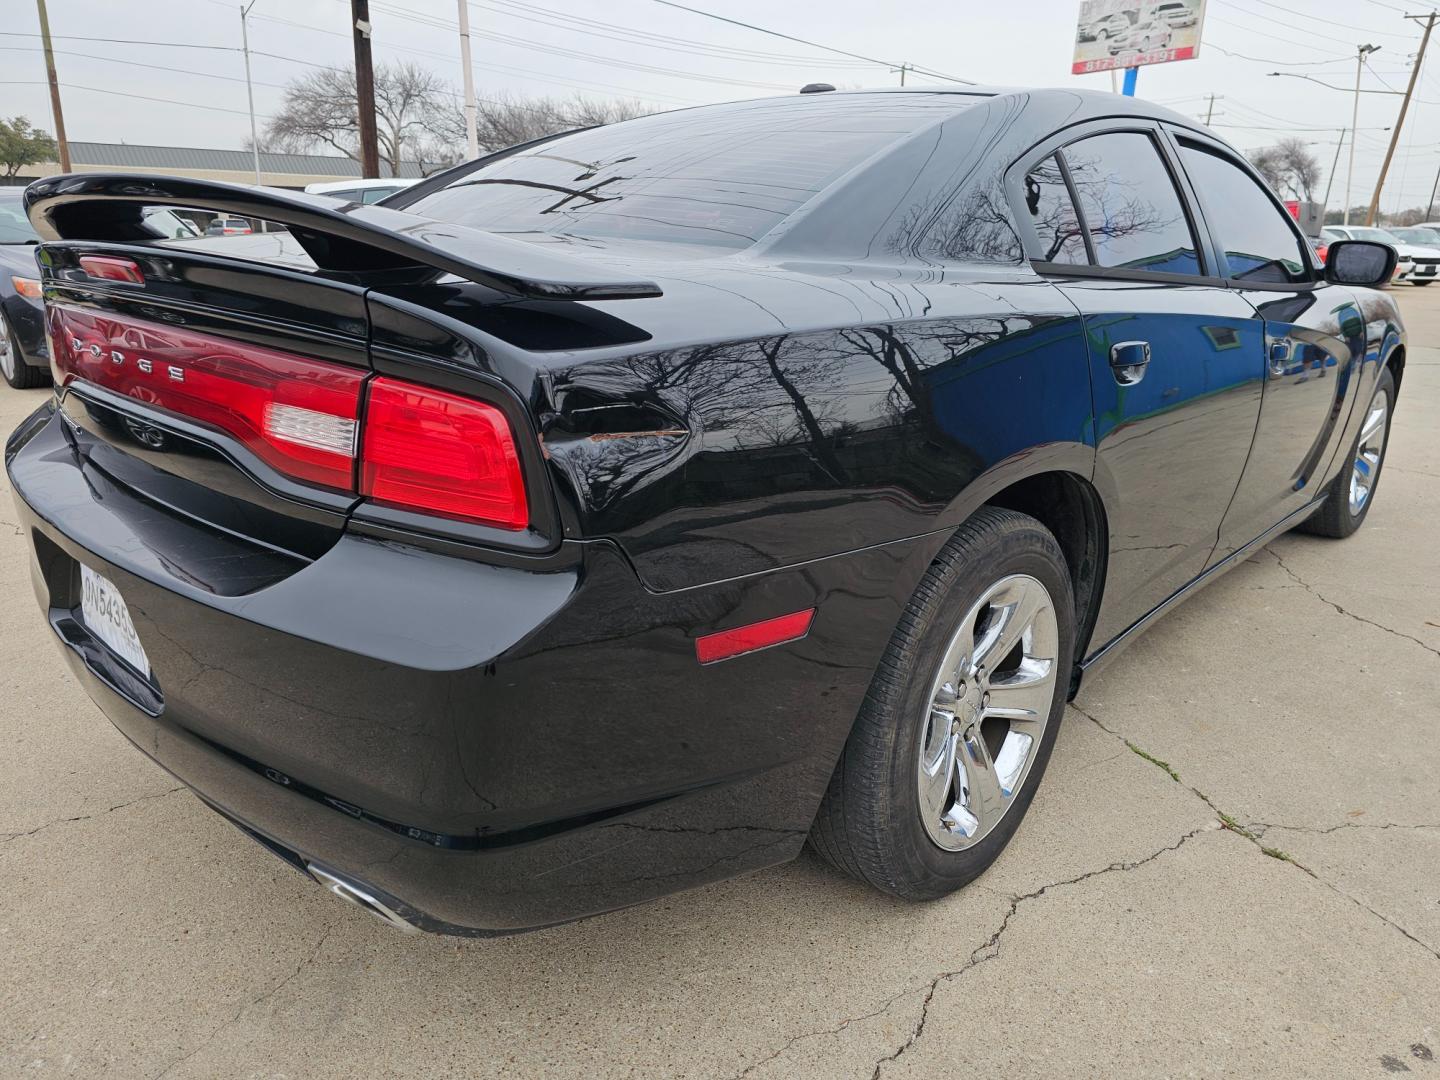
[1255, 234]
[1052, 213]
[1129, 204]
[723, 175]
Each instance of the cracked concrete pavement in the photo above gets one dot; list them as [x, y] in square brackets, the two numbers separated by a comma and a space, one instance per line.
[1231, 869]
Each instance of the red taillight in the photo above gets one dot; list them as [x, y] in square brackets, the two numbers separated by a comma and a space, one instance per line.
[111, 268]
[297, 415]
[419, 448]
[760, 635]
[440, 453]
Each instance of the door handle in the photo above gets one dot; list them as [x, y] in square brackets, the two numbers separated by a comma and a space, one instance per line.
[1279, 357]
[1128, 361]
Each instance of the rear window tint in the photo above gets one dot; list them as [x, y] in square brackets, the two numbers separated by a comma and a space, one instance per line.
[1052, 213]
[722, 175]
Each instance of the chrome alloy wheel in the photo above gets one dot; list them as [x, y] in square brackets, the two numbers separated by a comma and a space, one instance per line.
[8, 360]
[989, 704]
[1366, 467]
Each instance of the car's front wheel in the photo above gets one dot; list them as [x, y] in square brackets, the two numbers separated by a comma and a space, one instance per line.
[957, 727]
[1348, 499]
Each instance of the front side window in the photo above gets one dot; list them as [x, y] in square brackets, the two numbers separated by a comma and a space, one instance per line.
[1259, 243]
[1131, 208]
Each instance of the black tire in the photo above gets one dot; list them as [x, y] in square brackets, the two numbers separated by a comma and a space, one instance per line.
[1335, 518]
[1422, 284]
[13, 368]
[869, 824]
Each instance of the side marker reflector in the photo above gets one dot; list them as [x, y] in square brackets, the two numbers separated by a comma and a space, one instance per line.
[760, 635]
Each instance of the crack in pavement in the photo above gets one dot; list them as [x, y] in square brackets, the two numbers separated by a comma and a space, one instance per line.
[1234, 826]
[7, 837]
[991, 947]
[987, 950]
[824, 1032]
[1343, 611]
[1393, 468]
[243, 1009]
[1260, 828]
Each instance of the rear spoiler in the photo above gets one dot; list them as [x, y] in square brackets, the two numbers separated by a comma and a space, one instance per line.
[349, 238]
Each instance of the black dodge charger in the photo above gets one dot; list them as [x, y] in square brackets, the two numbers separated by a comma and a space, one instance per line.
[614, 513]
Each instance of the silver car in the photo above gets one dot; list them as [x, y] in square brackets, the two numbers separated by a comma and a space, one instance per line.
[1419, 263]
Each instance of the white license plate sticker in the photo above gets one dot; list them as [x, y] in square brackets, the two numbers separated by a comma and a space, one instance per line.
[106, 616]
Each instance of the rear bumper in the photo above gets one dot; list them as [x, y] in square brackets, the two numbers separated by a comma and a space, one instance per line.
[485, 748]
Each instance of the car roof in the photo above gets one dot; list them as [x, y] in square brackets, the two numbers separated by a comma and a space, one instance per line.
[1093, 104]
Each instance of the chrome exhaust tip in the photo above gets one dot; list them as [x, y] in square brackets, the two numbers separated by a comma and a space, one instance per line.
[353, 894]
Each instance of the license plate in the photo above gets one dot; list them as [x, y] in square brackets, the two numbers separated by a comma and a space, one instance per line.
[1425, 271]
[105, 615]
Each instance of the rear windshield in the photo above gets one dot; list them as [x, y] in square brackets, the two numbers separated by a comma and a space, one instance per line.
[722, 175]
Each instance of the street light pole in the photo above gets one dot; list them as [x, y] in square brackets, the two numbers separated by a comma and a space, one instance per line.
[249, 89]
[1361, 55]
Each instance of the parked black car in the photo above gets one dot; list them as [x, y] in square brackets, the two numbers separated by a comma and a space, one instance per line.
[625, 508]
[24, 359]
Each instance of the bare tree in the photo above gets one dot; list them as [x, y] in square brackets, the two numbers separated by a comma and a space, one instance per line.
[505, 120]
[320, 110]
[1289, 167]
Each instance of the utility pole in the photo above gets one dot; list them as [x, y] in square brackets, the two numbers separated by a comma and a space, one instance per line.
[1361, 54]
[249, 89]
[1329, 180]
[1433, 188]
[55, 109]
[1404, 105]
[365, 89]
[1210, 111]
[902, 69]
[472, 136]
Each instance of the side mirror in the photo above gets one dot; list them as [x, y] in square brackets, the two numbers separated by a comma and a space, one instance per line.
[1360, 262]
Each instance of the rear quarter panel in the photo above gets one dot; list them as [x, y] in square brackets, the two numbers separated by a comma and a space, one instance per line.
[763, 450]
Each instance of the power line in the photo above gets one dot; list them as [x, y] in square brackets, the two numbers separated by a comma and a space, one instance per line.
[1332, 22]
[1252, 31]
[1277, 22]
[803, 41]
[136, 63]
[1279, 63]
[575, 54]
[489, 66]
[566, 21]
[125, 41]
[137, 97]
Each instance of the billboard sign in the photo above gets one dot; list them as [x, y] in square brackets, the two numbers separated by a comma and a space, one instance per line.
[1130, 33]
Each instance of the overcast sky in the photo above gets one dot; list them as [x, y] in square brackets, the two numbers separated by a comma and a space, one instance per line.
[540, 47]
